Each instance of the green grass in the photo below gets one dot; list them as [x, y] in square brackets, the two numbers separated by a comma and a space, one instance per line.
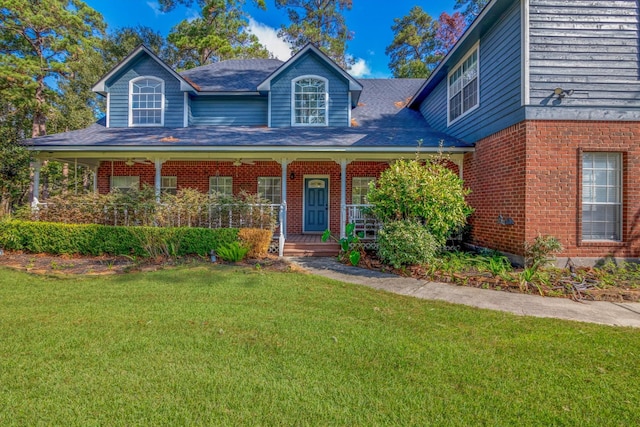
[230, 346]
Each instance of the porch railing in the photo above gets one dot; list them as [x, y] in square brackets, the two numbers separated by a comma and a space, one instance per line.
[266, 216]
[364, 222]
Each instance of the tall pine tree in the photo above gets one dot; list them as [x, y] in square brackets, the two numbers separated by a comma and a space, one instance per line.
[39, 42]
[320, 22]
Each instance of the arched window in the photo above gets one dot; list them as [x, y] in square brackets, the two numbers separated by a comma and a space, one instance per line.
[310, 101]
[146, 106]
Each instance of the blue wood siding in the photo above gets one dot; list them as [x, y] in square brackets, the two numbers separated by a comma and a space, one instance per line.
[309, 64]
[229, 110]
[590, 47]
[118, 88]
[499, 85]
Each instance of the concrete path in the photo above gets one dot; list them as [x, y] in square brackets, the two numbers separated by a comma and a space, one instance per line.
[606, 313]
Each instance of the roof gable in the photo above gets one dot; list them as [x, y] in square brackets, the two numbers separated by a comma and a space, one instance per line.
[354, 85]
[100, 87]
[489, 15]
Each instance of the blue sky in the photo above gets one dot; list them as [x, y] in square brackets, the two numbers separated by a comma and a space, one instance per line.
[370, 20]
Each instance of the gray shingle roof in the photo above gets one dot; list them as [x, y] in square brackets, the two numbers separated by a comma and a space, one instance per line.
[232, 75]
[381, 119]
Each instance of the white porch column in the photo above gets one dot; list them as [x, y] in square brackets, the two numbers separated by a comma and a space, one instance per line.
[36, 183]
[284, 163]
[459, 161]
[343, 196]
[94, 173]
[158, 182]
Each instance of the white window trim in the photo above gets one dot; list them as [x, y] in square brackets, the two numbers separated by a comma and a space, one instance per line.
[131, 82]
[620, 198]
[475, 47]
[137, 179]
[353, 178]
[212, 177]
[164, 187]
[262, 196]
[293, 101]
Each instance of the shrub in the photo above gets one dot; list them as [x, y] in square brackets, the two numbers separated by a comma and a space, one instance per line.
[403, 243]
[541, 251]
[257, 240]
[93, 239]
[232, 252]
[425, 192]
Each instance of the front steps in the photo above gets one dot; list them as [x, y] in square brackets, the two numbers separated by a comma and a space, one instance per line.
[310, 245]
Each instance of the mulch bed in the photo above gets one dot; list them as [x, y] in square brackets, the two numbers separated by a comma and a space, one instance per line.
[581, 284]
[104, 265]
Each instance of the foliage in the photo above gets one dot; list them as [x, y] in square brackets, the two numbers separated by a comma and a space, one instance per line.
[425, 192]
[257, 240]
[496, 264]
[472, 8]
[188, 207]
[321, 23]
[218, 33]
[232, 252]
[14, 175]
[40, 41]
[540, 252]
[406, 242]
[119, 43]
[350, 246]
[93, 239]
[420, 42]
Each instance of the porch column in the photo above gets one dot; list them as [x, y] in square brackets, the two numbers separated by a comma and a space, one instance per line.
[343, 196]
[284, 163]
[36, 183]
[459, 161]
[158, 182]
[94, 174]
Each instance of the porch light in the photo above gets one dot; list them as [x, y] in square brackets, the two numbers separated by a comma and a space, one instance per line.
[292, 175]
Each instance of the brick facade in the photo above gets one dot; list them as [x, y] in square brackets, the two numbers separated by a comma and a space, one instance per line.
[195, 174]
[531, 173]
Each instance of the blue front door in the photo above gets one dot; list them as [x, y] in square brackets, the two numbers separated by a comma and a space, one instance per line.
[316, 204]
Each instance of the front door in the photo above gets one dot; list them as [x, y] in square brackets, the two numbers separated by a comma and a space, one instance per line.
[316, 204]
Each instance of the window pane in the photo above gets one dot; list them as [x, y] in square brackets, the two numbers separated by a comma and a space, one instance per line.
[463, 87]
[270, 188]
[221, 186]
[601, 196]
[125, 183]
[310, 102]
[359, 190]
[146, 102]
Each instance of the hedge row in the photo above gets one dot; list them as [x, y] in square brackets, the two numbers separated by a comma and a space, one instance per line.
[93, 239]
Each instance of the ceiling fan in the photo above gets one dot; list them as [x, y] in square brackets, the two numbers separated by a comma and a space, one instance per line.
[240, 162]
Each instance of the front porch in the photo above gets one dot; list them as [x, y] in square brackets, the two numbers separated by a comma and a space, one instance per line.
[307, 195]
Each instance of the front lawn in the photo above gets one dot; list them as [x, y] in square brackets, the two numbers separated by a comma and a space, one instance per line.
[228, 346]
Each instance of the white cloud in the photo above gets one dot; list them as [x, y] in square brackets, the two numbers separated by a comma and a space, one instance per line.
[155, 6]
[268, 36]
[360, 68]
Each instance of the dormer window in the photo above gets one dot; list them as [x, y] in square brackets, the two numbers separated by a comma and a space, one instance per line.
[310, 101]
[146, 107]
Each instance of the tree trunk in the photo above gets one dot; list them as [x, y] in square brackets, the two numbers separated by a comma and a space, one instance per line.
[39, 117]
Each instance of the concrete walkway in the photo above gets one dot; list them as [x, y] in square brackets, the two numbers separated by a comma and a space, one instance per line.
[606, 313]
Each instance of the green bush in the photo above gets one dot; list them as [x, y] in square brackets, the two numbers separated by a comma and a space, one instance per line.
[232, 252]
[403, 243]
[92, 239]
[425, 192]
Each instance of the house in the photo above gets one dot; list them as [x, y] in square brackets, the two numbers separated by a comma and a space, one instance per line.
[538, 105]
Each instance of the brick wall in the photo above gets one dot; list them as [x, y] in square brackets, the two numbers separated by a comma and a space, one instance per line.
[495, 173]
[195, 174]
[531, 173]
